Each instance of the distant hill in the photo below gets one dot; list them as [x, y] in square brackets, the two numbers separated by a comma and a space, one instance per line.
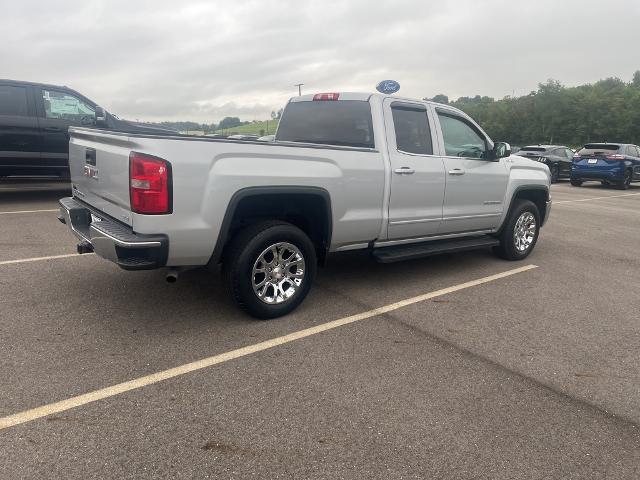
[267, 127]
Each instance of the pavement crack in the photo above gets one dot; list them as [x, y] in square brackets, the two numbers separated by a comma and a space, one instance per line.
[393, 318]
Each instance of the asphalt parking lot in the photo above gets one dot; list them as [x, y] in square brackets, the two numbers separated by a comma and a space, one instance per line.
[531, 375]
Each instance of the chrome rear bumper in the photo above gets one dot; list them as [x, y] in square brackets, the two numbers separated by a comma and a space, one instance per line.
[111, 239]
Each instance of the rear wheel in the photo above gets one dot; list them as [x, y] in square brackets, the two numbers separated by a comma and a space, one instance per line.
[576, 182]
[520, 233]
[626, 181]
[269, 268]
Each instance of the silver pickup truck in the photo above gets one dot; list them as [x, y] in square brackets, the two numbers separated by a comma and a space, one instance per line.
[400, 178]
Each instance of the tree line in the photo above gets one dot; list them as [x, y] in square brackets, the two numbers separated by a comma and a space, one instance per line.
[608, 110]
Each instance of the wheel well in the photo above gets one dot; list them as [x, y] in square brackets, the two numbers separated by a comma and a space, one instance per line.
[538, 196]
[310, 212]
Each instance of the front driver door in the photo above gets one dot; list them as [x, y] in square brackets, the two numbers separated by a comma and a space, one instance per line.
[476, 185]
[417, 175]
[58, 110]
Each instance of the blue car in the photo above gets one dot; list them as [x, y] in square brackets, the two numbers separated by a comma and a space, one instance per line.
[615, 164]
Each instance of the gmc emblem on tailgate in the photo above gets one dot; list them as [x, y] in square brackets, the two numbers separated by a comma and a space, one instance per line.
[91, 172]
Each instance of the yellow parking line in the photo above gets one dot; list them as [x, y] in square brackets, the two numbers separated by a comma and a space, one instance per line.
[73, 402]
[37, 259]
[28, 211]
[596, 198]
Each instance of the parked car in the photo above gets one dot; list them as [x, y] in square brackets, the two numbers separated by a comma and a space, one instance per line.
[557, 157]
[347, 171]
[34, 123]
[615, 164]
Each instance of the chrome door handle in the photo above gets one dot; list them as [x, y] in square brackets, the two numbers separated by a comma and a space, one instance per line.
[456, 171]
[404, 171]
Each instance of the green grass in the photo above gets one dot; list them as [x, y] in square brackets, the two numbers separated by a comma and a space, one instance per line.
[269, 128]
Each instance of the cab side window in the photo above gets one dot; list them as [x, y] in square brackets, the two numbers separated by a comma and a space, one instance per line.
[64, 106]
[460, 138]
[13, 101]
[411, 124]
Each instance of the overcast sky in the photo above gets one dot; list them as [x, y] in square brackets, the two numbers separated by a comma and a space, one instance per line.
[204, 60]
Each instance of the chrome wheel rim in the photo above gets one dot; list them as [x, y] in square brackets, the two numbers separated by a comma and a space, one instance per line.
[278, 273]
[524, 232]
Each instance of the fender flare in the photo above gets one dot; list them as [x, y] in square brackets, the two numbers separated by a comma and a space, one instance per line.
[223, 235]
[519, 189]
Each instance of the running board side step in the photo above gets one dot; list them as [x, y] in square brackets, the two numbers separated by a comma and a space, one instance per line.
[398, 253]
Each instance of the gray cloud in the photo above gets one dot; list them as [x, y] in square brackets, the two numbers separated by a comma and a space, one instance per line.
[203, 60]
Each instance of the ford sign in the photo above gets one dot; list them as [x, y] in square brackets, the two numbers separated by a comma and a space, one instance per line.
[388, 86]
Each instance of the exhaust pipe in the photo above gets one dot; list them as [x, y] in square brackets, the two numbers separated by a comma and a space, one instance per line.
[172, 276]
[84, 247]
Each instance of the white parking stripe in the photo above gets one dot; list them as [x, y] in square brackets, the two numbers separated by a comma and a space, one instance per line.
[73, 402]
[28, 211]
[596, 198]
[37, 259]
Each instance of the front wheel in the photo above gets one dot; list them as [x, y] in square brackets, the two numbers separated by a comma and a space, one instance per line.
[520, 232]
[555, 173]
[269, 268]
[576, 183]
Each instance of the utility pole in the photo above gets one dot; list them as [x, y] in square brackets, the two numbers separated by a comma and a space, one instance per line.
[299, 85]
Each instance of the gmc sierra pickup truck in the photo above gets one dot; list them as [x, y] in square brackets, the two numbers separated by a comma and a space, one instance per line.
[400, 178]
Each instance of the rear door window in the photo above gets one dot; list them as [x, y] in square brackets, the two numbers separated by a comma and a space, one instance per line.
[340, 122]
[13, 101]
[413, 134]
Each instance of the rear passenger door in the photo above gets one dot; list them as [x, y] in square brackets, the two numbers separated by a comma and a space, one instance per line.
[19, 135]
[475, 184]
[417, 174]
[57, 111]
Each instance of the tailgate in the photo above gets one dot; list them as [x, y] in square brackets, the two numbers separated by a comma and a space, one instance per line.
[99, 165]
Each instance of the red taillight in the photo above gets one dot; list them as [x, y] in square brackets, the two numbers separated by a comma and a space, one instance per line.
[325, 96]
[149, 187]
[615, 156]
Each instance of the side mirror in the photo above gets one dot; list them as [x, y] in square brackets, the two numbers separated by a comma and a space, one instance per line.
[501, 150]
[101, 117]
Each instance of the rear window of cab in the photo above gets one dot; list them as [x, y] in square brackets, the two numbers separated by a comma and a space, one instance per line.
[345, 123]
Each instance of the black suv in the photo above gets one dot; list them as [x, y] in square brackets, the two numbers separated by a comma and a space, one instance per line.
[34, 123]
[557, 157]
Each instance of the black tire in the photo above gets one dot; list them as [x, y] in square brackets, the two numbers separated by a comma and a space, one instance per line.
[576, 183]
[245, 250]
[626, 182]
[507, 248]
[555, 173]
